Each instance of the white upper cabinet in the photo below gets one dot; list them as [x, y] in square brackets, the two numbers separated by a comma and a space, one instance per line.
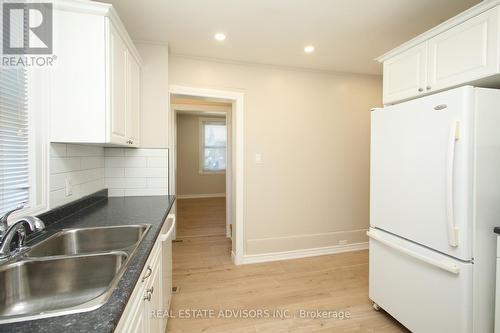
[95, 81]
[133, 120]
[466, 52]
[405, 74]
[119, 94]
[78, 78]
[463, 50]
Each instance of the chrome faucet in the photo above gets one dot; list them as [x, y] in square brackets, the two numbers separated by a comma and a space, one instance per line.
[4, 220]
[18, 228]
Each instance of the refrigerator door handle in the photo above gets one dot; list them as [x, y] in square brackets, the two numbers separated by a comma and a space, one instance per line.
[449, 267]
[450, 164]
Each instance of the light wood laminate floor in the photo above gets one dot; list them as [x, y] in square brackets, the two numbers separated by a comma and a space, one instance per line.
[201, 217]
[208, 280]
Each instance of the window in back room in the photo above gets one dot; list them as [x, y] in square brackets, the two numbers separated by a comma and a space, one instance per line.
[213, 145]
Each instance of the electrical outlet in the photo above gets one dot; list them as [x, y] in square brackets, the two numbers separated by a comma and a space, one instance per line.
[69, 187]
[343, 242]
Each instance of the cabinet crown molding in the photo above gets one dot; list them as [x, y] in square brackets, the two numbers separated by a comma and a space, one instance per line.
[456, 20]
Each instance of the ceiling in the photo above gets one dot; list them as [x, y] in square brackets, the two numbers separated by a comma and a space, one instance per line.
[347, 34]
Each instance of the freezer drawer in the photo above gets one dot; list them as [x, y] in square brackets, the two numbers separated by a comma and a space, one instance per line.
[423, 289]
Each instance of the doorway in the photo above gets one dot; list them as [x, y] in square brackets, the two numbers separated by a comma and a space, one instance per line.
[206, 165]
[202, 168]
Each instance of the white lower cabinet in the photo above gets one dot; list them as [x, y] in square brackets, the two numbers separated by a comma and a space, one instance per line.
[136, 319]
[153, 295]
[148, 306]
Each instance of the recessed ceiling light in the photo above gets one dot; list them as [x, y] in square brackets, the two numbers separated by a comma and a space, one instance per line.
[309, 49]
[220, 36]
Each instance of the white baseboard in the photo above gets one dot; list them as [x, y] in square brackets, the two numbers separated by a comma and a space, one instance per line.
[200, 196]
[296, 254]
[305, 241]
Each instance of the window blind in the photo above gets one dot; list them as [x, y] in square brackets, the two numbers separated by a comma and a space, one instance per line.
[214, 146]
[14, 141]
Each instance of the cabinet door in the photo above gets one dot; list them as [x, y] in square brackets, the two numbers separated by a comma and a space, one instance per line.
[134, 101]
[118, 59]
[78, 92]
[154, 289]
[138, 319]
[166, 262]
[134, 317]
[405, 74]
[466, 52]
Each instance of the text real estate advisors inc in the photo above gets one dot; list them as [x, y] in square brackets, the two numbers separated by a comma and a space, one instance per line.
[251, 314]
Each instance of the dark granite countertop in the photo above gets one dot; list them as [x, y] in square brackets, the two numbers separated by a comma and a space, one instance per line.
[105, 212]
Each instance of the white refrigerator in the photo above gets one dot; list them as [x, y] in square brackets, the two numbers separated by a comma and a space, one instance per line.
[435, 198]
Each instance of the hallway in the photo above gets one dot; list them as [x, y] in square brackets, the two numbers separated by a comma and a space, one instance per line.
[207, 280]
[201, 217]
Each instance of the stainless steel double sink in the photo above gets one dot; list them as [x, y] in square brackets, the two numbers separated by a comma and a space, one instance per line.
[72, 271]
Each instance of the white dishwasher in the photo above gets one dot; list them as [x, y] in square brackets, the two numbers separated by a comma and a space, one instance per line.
[166, 257]
[497, 287]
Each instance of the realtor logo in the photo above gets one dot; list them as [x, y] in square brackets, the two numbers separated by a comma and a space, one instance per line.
[27, 28]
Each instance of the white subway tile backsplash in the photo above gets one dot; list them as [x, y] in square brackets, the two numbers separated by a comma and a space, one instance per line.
[157, 162]
[146, 191]
[114, 172]
[135, 162]
[82, 165]
[131, 171]
[58, 198]
[91, 174]
[116, 192]
[126, 182]
[64, 164]
[146, 152]
[81, 150]
[146, 172]
[57, 150]
[92, 162]
[124, 171]
[114, 152]
[157, 182]
[92, 186]
[113, 161]
[126, 162]
[57, 181]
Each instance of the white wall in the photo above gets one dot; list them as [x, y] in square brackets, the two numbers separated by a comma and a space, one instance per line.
[154, 95]
[82, 165]
[313, 131]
